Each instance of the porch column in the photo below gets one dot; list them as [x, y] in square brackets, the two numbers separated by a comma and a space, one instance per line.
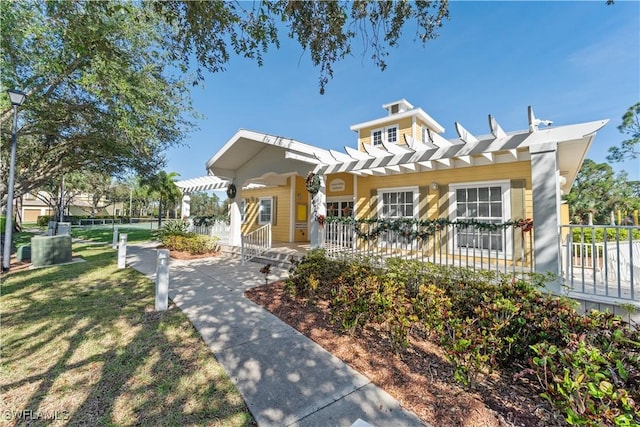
[318, 207]
[546, 211]
[235, 234]
[185, 209]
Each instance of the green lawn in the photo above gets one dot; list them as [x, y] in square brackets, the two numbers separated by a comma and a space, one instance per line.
[105, 234]
[83, 342]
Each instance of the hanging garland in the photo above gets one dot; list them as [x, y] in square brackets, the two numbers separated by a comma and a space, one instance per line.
[231, 191]
[413, 229]
[312, 183]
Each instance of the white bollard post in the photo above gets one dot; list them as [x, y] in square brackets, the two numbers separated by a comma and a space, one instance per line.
[162, 280]
[122, 251]
[115, 238]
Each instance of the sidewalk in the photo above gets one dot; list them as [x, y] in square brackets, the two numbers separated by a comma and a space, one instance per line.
[285, 378]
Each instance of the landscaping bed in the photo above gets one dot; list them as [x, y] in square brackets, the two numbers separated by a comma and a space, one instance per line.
[461, 348]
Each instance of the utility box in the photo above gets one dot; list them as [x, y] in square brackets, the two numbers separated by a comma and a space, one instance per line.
[24, 253]
[64, 229]
[50, 250]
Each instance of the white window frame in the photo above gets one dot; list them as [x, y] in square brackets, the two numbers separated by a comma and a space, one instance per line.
[260, 200]
[373, 139]
[424, 135]
[383, 241]
[506, 211]
[386, 133]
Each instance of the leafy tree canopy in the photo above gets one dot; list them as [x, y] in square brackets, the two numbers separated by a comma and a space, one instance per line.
[597, 190]
[100, 93]
[211, 30]
[630, 148]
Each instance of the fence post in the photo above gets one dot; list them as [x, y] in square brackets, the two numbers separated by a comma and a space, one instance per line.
[162, 280]
[115, 238]
[122, 251]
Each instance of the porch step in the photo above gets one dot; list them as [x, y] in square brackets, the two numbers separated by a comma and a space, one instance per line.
[275, 257]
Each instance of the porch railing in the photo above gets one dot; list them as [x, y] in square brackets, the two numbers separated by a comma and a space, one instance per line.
[505, 248]
[602, 260]
[220, 229]
[255, 243]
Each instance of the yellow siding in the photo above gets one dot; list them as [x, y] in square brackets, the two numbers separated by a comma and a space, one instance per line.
[404, 128]
[348, 184]
[507, 171]
[282, 197]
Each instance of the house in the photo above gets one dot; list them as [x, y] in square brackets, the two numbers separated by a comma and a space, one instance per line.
[400, 166]
[32, 206]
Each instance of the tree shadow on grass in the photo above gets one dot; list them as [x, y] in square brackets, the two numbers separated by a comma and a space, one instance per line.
[92, 348]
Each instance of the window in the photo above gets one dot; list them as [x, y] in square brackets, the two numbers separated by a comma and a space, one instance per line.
[265, 210]
[376, 136]
[485, 203]
[397, 203]
[387, 134]
[392, 134]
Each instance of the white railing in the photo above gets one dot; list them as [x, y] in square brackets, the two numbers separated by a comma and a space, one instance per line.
[602, 260]
[506, 249]
[219, 229]
[255, 243]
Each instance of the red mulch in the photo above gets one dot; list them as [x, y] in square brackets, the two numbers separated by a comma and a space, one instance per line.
[420, 378]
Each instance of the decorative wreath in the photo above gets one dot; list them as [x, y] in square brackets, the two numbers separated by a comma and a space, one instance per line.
[231, 191]
[313, 183]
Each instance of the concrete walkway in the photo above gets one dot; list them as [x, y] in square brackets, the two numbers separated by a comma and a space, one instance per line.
[285, 378]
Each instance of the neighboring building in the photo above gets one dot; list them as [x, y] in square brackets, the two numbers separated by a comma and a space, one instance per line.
[401, 166]
[32, 207]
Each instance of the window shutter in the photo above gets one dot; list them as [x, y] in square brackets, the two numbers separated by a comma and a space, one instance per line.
[274, 211]
[443, 201]
[373, 204]
[423, 203]
[517, 212]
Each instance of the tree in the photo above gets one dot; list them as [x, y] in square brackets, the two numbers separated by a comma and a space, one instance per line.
[203, 204]
[210, 30]
[630, 148]
[597, 190]
[100, 93]
[164, 185]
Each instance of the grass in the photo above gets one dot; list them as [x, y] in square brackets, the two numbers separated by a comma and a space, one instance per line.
[105, 234]
[82, 342]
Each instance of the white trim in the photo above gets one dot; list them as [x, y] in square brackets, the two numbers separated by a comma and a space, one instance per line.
[418, 112]
[270, 221]
[506, 209]
[373, 141]
[386, 133]
[416, 198]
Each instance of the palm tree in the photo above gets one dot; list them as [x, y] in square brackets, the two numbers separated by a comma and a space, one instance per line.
[164, 185]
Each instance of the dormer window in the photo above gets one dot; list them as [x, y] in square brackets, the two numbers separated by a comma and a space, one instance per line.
[376, 136]
[392, 134]
[387, 134]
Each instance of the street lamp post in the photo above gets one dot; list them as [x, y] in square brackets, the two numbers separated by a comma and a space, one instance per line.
[17, 98]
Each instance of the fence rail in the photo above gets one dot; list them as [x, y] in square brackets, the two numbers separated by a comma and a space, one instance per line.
[221, 230]
[602, 260]
[507, 249]
[256, 243]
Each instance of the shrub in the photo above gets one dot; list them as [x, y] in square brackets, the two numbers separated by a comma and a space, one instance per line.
[313, 275]
[195, 244]
[178, 227]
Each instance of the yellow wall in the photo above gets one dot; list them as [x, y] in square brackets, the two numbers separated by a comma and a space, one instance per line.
[302, 199]
[282, 197]
[404, 127]
[348, 184]
[429, 208]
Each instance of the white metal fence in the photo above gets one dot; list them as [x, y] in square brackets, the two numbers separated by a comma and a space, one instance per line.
[502, 247]
[219, 229]
[256, 243]
[602, 260]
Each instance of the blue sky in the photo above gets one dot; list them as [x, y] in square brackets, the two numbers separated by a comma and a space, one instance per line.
[572, 61]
